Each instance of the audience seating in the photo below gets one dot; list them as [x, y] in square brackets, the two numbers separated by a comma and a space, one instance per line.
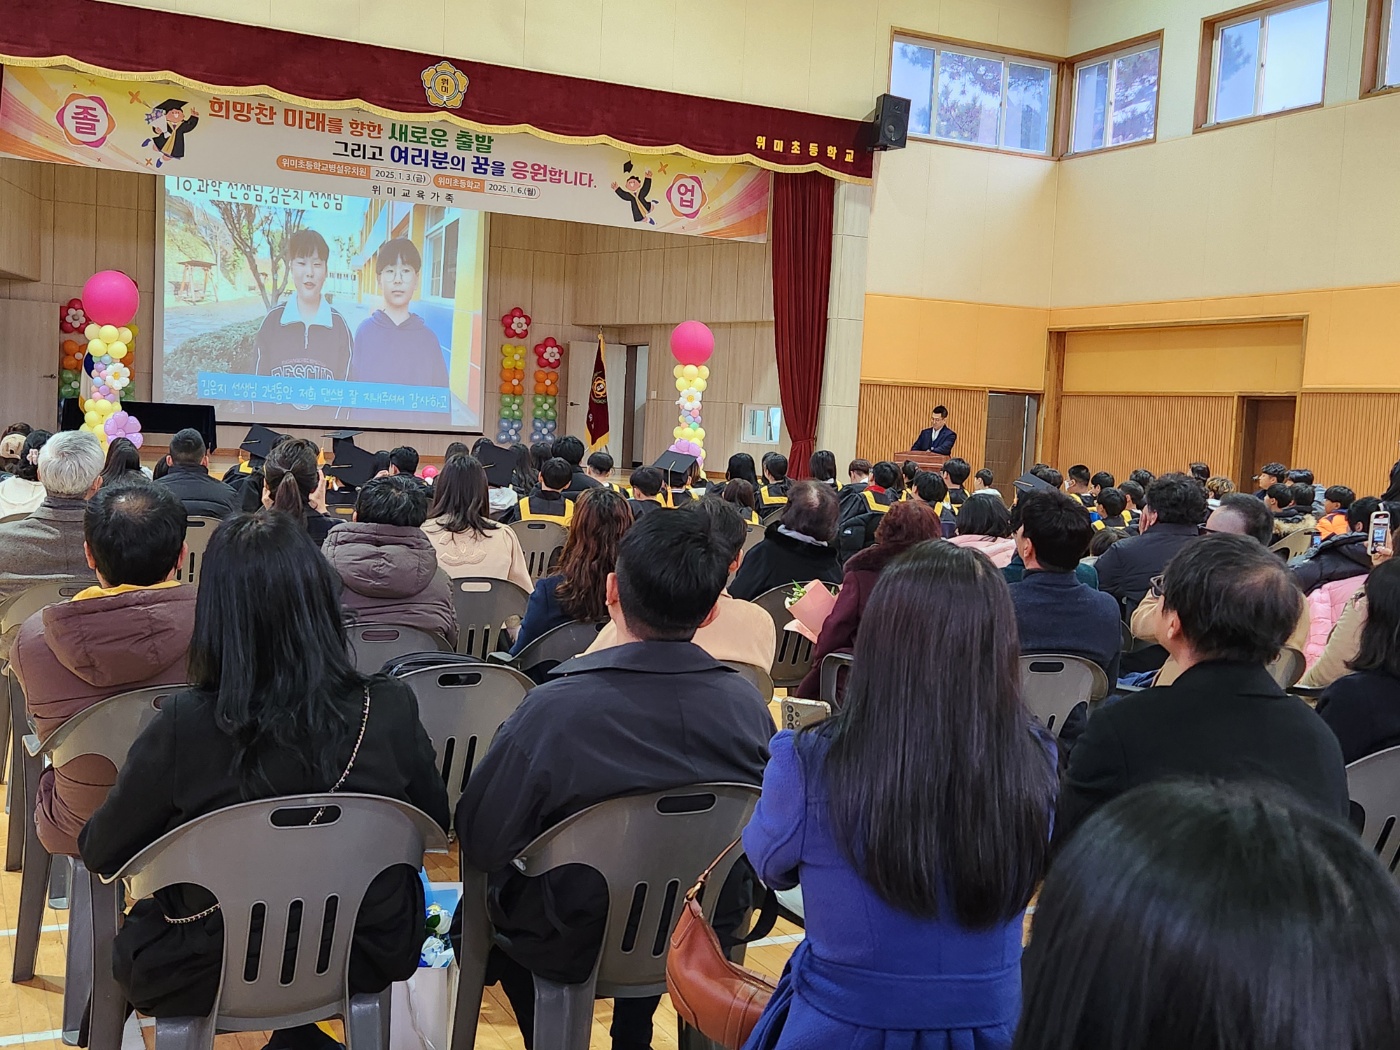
[242, 857]
[375, 644]
[1294, 544]
[793, 658]
[759, 676]
[753, 537]
[198, 532]
[485, 606]
[797, 712]
[1053, 685]
[461, 706]
[107, 729]
[836, 668]
[1288, 667]
[1373, 783]
[552, 648]
[13, 517]
[773, 517]
[542, 542]
[650, 846]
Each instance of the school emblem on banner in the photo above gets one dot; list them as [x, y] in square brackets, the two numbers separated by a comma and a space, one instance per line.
[445, 85]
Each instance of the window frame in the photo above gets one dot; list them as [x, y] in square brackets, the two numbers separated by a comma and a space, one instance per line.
[1006, 56]
[1379, 16]
[1069, 92]
[1209, 61]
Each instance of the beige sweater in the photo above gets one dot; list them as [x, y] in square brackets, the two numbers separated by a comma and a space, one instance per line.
[742, 633]
[1145, 626]
[496, 555]
[1342, 645]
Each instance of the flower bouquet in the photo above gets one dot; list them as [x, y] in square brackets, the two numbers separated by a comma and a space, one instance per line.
[810, 605]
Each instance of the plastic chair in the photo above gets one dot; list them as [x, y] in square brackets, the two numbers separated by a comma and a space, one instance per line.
[773, 517]
[13, 517]
[485, 606]
[797, 712]
[793, 658]
[1294, 544]
[649, 848]
[836, 668]
[753, 537]
[1054, 684]
[461, 707]
[198, 532]
[757, 676]
[542, 542]
[552, 648]
[1287, 667]
[1373, 784]
[375, 644]
[107, 729]
[258, 870]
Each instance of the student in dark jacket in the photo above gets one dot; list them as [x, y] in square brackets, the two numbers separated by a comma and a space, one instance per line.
[551, 500]
[653, 712]
[394, 344]
[188, 477]
[1228, 608]
[570, 449]
[1341, 557]
[294, 484]
[773, 493]
[1363, 708]
[388, 564]
[646, 483]
[1175, 508]
[276, 709]
[797, 549]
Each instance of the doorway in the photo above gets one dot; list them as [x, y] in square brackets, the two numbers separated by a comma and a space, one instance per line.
[1266, 435]
[1011, 433]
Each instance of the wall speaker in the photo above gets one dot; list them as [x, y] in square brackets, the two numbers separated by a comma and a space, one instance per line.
[889, 124]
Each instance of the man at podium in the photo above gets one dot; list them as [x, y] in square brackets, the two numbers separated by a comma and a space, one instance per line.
[939, 438]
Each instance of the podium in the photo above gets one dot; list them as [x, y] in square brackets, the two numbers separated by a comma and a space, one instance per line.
[930, 461]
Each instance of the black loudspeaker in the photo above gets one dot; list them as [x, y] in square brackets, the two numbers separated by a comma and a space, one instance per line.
[889, 124]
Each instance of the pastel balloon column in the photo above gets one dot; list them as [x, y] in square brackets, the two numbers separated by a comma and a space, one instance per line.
[109, 303]
[545, 416]
[692, 343]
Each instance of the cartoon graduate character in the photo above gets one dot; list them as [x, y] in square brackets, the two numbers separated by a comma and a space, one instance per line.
[635, 192]
[170, 126]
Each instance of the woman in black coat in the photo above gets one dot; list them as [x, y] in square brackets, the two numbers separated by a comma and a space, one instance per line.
[799, 548]
[277, 709]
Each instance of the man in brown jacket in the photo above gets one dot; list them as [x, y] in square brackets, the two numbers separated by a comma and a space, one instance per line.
[130, 631]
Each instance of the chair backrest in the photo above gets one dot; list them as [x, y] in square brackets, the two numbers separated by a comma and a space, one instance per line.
[40, 596]
[758, 676]
[542, 542]
[13, 517]
[374, 644]
[109, 727]
[198, 532]
[557, 645]
[1294, 544]
[792, 658]
[752, 537]
[461, 706]
[282, 886]
[773, 517]
[485, 606]
[1054, 684]
[836, 668]
[1287, 667]
[798, 712]
[650, 849]
[1373, 783]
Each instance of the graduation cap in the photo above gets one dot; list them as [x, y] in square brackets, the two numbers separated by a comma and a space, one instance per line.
[1029, 483]
[352, 466]
[259, 441]
[172, 103]
[675, 462]
[500, 464]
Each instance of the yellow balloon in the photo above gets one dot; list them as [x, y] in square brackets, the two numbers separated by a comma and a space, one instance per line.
[699, 434]
[690, 371]
[678, 371]
[92, 331]
[134, 331]
[677, 432]
[116, 351]
[90, 418]
[699, 385]
[704, 371]
[96, 347]
[106, 407]
[682, 385]
[125, 335]
[108, 333]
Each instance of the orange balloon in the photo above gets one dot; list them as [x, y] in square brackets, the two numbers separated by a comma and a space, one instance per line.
[507, 373]
[506, 388]
[539, 388]
[520, 373]
[515, 386]
[551, 377]
[540, 376]
[70, 346]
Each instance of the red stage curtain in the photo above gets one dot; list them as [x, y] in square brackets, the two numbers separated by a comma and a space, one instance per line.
[802, 210]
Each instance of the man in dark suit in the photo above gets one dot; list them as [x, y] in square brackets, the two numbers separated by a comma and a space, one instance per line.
[653, 712]
[1229, 606]
[188, 477]
[1175, 508]
[939, 438]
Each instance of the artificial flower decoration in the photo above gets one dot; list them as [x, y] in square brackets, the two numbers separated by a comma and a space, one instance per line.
[118, 376]
[72, 317]
[690, 400]
[516, 323]
[549, 353]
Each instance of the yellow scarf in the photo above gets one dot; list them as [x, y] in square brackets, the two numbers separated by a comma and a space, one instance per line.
[122, 588]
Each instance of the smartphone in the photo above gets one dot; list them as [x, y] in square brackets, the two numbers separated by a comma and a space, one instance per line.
[1380, 530]
[1316, 540]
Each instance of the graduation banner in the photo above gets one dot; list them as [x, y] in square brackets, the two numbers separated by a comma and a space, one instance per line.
[243, 144]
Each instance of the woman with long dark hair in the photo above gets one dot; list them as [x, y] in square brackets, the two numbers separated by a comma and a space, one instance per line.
[577, 589]
[822, 466]
[917, 820]
[1363, 708]
[294, 484]
[741, 468]
[21, 493]
[276, 708]
[122, 459]
[740, 493]
[985, 525]
[1194, 916]
[467, 541]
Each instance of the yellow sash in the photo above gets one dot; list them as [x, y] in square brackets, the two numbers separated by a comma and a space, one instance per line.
[529, 514]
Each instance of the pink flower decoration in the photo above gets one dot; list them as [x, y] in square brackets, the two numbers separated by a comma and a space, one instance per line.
[549, 353]
[72, 318]
[516, 323]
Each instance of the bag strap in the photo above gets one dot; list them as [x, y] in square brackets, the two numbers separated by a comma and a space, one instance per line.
[767, 906]
[354, 752]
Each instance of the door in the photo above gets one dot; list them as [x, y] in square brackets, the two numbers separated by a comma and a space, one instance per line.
[1011, 422]
[1266, 425]
[29, 362]
[574, 419]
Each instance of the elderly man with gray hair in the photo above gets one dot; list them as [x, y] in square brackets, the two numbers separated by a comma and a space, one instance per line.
[48, 545]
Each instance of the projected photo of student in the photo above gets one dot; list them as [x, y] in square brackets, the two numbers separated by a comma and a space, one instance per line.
[304, 337]
[394, 344]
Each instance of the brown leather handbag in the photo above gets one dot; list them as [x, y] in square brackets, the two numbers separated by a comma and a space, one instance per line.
[717, 997]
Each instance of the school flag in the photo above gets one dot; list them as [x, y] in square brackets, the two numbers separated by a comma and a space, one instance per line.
[598, 402]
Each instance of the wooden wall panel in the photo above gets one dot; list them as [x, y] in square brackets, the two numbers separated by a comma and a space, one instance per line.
[891, 416]
[1348, 439]
[1119, 433]
[1207, 359]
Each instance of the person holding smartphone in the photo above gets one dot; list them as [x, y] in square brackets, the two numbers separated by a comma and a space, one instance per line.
[1332, 572]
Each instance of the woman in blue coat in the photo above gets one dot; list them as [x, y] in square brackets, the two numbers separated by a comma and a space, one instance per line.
[917, 821]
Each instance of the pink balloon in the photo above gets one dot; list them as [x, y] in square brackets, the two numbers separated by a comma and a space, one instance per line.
[692, 343]
[110, 297]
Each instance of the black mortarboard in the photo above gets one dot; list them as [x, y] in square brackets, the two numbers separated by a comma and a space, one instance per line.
[352, 465]
[259, 441]
[499, 463]
[675, 462]
[343, 435]
[1028, 483]
[173, 103]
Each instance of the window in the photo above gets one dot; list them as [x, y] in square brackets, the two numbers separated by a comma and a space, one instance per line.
[440, 262]
[962, 94]
[1268, 62]
[1390, 48]
[1380, 57]
[1115, 98]
[763, 424]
